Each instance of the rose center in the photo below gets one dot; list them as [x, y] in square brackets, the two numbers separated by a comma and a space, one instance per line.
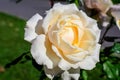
[67, 35]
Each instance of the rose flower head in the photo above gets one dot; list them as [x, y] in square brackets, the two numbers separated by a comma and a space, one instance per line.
[64, 42]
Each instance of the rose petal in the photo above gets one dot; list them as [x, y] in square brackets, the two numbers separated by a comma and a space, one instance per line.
[66, 76]
[84, 18]
[63, 64]
[38, 28]
[93, 27]
[115, 11]
[38, 51]
[89, 23]
[54, 13]
[30, 33]
[96, 53]
[90, 61]
[72, 73]
[51, 53]
[51, 73]
[76, 57]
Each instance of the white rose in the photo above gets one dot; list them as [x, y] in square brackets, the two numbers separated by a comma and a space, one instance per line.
[65, 40]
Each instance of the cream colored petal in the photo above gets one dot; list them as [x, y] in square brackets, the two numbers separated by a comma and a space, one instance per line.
[51, 73]
[54, 13]
[38, 51]
[91, 24]
[90, 61]
[76, 57]
[62, 44]
[71, 74]
[63, 64]
[83, 17]
[87, 63]
[30, 33]
[95, 31]
[51, 53]
[88, 40]
[66, 76]
[96, 53]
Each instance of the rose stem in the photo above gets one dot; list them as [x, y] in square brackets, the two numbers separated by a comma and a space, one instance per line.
[106, 30]
[51, 3]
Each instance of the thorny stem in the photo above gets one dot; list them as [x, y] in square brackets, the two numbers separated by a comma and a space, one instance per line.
[17, 60]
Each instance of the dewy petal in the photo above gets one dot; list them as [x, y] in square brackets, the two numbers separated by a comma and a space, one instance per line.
[38, 51]
[54, 13]
[71, 74]
[30, 33]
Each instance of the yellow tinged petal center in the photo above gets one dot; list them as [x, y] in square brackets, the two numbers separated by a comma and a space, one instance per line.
[67, 35]
[71, 29]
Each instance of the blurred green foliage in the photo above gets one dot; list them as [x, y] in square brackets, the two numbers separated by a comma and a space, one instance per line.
[116, 1]
[12, 45]
[77, 2]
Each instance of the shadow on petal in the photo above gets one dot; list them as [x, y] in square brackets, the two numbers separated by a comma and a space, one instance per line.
[53, 73]
[50, 53]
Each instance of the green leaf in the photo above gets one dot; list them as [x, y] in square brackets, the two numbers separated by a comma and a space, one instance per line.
[84, 75]
[111, 70]
[116, 1]
[116, 48]
[74, 1]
